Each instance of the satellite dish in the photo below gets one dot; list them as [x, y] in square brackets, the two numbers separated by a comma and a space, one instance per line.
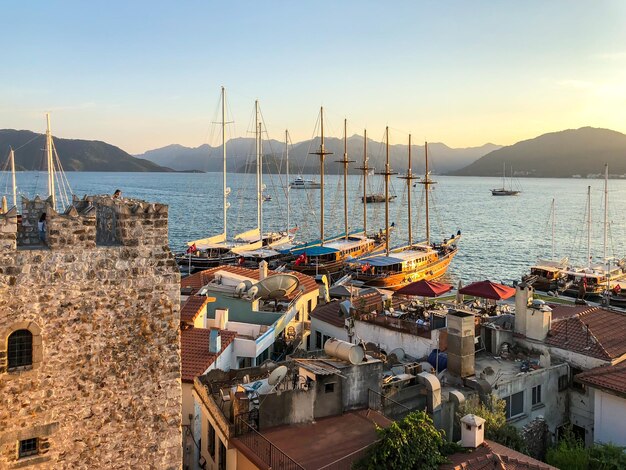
[398, 352]
[274, 287]
[277, 376]
[344, 308]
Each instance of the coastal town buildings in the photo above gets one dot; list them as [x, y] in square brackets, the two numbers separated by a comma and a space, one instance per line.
[224, 327]
[89, 337]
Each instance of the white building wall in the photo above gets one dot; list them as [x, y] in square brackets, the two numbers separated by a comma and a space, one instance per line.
[326, 329]
[389, 340]
[609, 418]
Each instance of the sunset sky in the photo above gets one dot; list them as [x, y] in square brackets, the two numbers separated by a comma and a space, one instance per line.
[145, 74]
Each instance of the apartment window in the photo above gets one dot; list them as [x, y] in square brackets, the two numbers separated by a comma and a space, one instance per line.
[309, 305]
[514, 405]
[297, 315]
[28, 447]
[222, 457]
[211, 440]
[329, 387]
[318, 340]
[575, 384]
[536, 393]
[20, 349]
[563, 382]
[324, 339]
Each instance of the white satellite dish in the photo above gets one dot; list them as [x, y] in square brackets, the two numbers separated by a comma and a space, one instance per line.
[277, 375]
[275, 287]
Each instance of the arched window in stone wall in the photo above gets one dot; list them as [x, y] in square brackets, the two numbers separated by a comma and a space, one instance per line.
[20, 349]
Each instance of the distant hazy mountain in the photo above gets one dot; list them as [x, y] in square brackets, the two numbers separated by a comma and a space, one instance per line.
[240, 156]
[75, 155]
[558, 154]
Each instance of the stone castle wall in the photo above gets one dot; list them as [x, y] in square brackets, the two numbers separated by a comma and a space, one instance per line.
[104, 390]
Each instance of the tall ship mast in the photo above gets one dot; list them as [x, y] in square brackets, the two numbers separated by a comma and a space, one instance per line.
[403, 265]
[329, 255]
[212, 251]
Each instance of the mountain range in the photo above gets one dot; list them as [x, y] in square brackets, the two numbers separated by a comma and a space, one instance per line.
[241, 158]
[573, 152]
[75, 155]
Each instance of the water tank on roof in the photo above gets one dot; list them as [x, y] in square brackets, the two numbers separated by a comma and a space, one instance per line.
[352, 353]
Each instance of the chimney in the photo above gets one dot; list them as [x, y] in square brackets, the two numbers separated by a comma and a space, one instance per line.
[538, 320]
[461, 343]
[523, 297]
[472, 431]
[221, 318]
[262, 270]
[215, 341]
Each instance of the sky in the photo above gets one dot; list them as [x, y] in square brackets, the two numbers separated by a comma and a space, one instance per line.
[145, 74]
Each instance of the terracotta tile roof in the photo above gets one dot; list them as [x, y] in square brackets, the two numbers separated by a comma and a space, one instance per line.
[330, 312]
[493, 456]
[192, 308]
[194, 350]
[611, 378]
[560, 312]
[594, 332]
[198, 280]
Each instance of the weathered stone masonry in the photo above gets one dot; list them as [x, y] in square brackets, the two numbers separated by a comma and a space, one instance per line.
[101, 300]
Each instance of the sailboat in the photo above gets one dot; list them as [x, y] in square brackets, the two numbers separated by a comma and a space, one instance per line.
[212, 251]
[10, 166]
[546, 274]
[504, 191]
[329, 255]
[403, 265]
[59, 190]
[593, 280]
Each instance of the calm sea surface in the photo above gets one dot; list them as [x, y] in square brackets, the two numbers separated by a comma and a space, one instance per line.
[502, 236]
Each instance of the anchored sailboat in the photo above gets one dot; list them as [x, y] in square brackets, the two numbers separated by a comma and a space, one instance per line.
[400, 266]
[212, 251]
[329, 255]
[504, 191]
[593, 279]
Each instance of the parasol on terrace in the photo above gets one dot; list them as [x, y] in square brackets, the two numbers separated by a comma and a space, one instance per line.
[488, 290]
[424, 288]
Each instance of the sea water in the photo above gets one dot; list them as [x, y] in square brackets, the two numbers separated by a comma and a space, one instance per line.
[502, 236]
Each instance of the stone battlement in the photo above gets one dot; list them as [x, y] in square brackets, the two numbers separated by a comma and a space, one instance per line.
[89, 222]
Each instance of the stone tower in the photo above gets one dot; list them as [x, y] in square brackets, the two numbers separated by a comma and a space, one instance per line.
[89, 337]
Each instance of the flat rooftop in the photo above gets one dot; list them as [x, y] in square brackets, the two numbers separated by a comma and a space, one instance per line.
[314, 445]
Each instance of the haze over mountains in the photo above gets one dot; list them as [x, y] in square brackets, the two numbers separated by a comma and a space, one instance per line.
[561, 154]
[75, 155]
[241, 157]
[558, 154]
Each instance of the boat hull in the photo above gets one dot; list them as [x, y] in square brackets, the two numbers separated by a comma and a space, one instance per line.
[396, 281]
[504, 192]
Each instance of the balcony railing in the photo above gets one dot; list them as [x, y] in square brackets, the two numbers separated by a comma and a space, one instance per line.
[267, 452]
[386, 406]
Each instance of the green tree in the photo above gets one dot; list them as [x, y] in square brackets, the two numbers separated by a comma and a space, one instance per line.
[496, 427]
[569, 453]
[412, 443]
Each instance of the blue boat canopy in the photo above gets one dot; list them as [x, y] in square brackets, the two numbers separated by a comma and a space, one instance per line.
[314, 251]
[379, 261]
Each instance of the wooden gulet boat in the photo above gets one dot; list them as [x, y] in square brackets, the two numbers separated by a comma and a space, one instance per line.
[329, 256]
[403, 265]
